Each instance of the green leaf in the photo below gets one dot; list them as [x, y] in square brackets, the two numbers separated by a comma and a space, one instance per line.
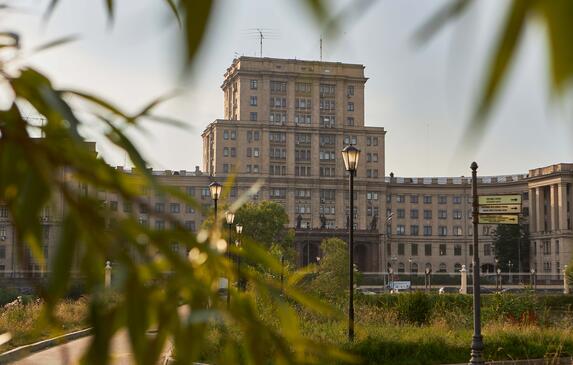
[174, 9]
[197, 15]
[447, 13]
[55, 43]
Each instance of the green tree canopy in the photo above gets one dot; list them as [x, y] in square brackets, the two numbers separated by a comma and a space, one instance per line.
[265, 222]
[510, 242]
[332, 276]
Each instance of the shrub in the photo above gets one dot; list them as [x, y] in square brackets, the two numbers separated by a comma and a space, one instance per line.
[414, 308]
[7, 295]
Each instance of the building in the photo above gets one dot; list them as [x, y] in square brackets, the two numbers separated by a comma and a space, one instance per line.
[285, 124]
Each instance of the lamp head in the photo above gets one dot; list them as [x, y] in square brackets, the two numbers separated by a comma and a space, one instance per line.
[229, 216]
[239, 228]
[350, 155]
[215, 190]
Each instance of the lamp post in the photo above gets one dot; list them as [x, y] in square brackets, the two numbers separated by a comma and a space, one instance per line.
[230, 217]
[391, 274]
[215, 190]
[386, 237]
[239, 229]
[510, 265]
[498, 282]
[497, 274]
[350, 155]
[428, 281]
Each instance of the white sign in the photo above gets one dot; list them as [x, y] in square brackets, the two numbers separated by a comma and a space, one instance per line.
[400, 285]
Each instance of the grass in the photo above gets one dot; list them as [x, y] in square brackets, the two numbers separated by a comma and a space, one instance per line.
[27, 324]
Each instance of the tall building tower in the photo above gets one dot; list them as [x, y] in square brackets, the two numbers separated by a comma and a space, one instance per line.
[287, 121]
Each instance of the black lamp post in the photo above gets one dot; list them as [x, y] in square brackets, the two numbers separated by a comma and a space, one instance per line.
[499, 284]
[510, 265]
[533, 280]
[411, 282]
[497, 270]
[230, 217]
[215, 190]
[351, 154]
[239, 229]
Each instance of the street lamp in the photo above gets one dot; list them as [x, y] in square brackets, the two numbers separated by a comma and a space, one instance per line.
[510, 265]
[391, 272]
[497, 270]
[533, 280]
[239, 229]
[498, 283]
[428, 281]
[230, 217]
[215, 190]
[410, 262]
[385, 244]
[350, 155]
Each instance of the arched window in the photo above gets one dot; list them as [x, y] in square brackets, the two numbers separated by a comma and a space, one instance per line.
[443, 267]
[457, 267]
[414, 267]
[401, 267]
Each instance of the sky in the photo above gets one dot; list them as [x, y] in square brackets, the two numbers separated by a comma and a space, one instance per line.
[422, 94]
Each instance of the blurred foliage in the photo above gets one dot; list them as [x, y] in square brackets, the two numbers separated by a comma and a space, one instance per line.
[62, 171]
[265, 222]
[554, 15]
[332, 277]
[511, 242]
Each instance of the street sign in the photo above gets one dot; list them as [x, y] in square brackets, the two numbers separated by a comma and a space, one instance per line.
[500, 209]
[499, 219]
[400, 285]
[499, 199]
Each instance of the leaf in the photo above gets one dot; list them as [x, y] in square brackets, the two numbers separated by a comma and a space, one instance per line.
[55, 43]
[197, 15]
[174, 9]
[447, 13]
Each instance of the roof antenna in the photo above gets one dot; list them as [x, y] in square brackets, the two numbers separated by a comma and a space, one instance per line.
[260, 34]
[261, 40]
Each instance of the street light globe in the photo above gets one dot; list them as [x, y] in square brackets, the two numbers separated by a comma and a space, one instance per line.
[350, 155]
[215, 189]
[239, 228]
[499, 271]
[230, 217]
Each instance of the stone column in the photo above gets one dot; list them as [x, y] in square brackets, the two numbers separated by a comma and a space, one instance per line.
[562, 198]
[553, 207]
[532, 210]
[540, 214]
[464, 280]
[107, 281]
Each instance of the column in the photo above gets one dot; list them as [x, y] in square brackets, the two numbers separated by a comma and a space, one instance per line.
[532, 211]
[553, 207]
[540, 214]
[562, 205]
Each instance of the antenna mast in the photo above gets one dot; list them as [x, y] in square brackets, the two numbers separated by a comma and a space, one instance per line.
[262, 34]
[261, 41]
[321, 48]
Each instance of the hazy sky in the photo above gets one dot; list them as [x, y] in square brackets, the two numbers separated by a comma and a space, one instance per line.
[422, 94]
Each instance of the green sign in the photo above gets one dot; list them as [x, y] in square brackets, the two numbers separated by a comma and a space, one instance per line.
[499, 199]
[499, 219]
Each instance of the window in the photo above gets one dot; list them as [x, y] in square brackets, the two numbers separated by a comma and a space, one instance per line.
[401, 249]
[327, 121]
[428, 249]
[547, 267]
[174, 208]
[427, 230]
[457, 249]
[327, 90]
[300, 103]
[304, 119]
[327, 171]
[253, 116]
[350, 121]
[487, 249]
[414, 199]
[302, 171]
[302, 138]
[278, 87]
[350, 106]
[2, 252]
[256, 152]
[127, 207]
[3, 211]
[414, 249]
[277, 137]
[457, 214]
[458, 231]
[546, 246]
[303, 87]
[327, 105]
[190, 190]
[400, 198]
[277, 193]
[401, 213]
[557, 247]
[278, 118]
[427, 214]
[233, 135]
[256, 135]
[375, 141]
[113, 206]
[443, 267]
[400, 230]
[253, 100]
[350, 90]
[371, 195]
[457, 199]
[159, 225]
[189, 209]
[414, 230]
[414, 213]
[327, 195]
[249, 152]
[254, 84]
[159, 207]
[326, 139]
[443, 230]
[442, 214]
[190, 225]
[368, 141]
[427, 199]
[443, 250]
[442, 199]
[233, 152]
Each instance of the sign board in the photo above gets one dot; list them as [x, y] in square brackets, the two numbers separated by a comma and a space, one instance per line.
[499, 219]
[500, 209]
[400, 285]
[499, 199]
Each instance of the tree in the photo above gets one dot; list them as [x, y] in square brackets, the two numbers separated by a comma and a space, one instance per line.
[332, 276]
[510, 241]
[265, 222]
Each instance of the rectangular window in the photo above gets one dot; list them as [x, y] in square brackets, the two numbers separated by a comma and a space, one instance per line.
[189, 209]
[443, 250]
[414, 249]
[253, 116]
[113, 206]
[457, 214]
[428, 249]
[253, 100]
[400, 230]
[457, 199]
[458, 231]
[427, 199]
[278, 87]
[350, 121]
[427, 230]
[457, 249]
[427, 214]
[487, 249]
[414, 230]
[303, 87]
[159, 225]
[190, 225]
[401, 213]
[442, 199]
[159, 207]
[350, 107]
[442, 214]
[3, 211]
[443, 230]
[414, 213]
[174, 208]
[400, 198]
[401, 249]
[254, 84]
[414, 199]
[190, 190]
[350, 90]
[127, 208]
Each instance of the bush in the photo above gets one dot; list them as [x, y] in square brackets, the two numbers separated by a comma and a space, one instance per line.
[414, 308]
[7, 295]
